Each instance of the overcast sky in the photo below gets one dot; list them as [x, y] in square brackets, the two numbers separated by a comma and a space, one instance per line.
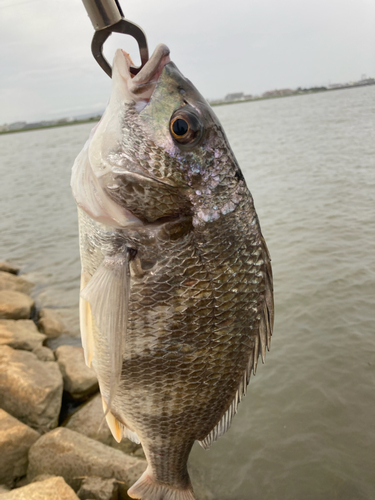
[47, 70]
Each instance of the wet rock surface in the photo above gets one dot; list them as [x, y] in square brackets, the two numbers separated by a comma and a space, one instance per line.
[15, 305]
[44, 353]
[96, 488]
[30, 389]
[79, 380]
[9, 268]
[54, 488]
[71, 455]
[16, 439]
[10, 281]
[20, 334]
[49, 323]
[88, 420]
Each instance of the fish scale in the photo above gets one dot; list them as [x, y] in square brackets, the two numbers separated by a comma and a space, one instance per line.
[177, 299]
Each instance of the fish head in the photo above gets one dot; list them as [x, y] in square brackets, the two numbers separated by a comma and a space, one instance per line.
[159, 150]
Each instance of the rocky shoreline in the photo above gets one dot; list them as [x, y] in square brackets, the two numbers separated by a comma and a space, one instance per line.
[54, 444]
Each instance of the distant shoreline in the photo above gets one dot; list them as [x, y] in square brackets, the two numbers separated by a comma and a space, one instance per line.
[214, 103]
[94, 119]
[293, 94]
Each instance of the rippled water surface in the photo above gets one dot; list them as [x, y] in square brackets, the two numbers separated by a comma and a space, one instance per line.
[306, 429]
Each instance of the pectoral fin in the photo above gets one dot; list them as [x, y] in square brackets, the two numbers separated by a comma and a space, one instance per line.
[86, 324]
[107, 294]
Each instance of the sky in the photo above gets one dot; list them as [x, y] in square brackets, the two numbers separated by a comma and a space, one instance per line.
[47, 70]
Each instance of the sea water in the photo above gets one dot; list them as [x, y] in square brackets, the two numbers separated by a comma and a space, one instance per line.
[306, 429]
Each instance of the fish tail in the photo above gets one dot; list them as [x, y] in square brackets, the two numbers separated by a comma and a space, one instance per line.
[148, 488]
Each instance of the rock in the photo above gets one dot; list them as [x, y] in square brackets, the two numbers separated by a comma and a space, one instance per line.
[79, 380]
[88, 420]
[138, 452]
[64, 339]
[71, 455]
[44, 353]
[30, 390]
[20, 334]
[16, 283]
[15, 305]
[54, 488]
[3, 488]
[15, 441]
[41, 477]
[50, 323]
[7, 267]
[96, 488]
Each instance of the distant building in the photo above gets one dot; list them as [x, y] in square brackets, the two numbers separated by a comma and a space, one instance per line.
[335, 85]
[16, 125]
[43, 123]
[237, 96]
[366, 81]
[278, 93]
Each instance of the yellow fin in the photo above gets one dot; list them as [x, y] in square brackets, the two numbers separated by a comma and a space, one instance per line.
[113, 424]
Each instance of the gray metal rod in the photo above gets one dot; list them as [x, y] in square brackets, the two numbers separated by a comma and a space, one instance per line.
[103, 13]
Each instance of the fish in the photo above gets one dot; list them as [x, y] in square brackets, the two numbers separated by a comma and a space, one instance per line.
[176, 301]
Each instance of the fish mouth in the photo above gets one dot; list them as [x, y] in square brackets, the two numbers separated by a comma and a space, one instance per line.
[140, 87]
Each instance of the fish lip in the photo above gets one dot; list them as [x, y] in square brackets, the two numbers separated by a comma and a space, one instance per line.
[141, 86]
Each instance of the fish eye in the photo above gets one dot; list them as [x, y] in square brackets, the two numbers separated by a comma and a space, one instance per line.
[185, 126]
[179, 127]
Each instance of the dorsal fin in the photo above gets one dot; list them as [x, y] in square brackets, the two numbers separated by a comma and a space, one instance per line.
[262, 341]
[107, 292]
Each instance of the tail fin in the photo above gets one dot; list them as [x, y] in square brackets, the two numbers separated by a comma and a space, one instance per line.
[147, 488]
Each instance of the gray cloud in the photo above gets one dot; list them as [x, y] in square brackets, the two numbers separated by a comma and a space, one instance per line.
[47, 69]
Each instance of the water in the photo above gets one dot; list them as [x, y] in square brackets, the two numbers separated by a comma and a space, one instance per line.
[306, 428]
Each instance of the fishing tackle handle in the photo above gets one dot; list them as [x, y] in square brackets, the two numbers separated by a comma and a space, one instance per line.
[107, 17]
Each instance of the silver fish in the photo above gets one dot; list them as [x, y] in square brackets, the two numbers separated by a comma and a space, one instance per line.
[177, 299]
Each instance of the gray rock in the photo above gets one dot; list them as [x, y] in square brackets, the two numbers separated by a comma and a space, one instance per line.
[9, 268]
[30, 390]
[49, 323]
[88, 420]
[15, 305]
[44, 353]
[20, 334]
[54, 488]
[79, 380]
[96, 488]
[16, 283]
[71, 455]
[15, 441]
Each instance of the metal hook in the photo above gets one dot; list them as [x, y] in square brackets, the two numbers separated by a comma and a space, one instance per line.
[107, 17]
